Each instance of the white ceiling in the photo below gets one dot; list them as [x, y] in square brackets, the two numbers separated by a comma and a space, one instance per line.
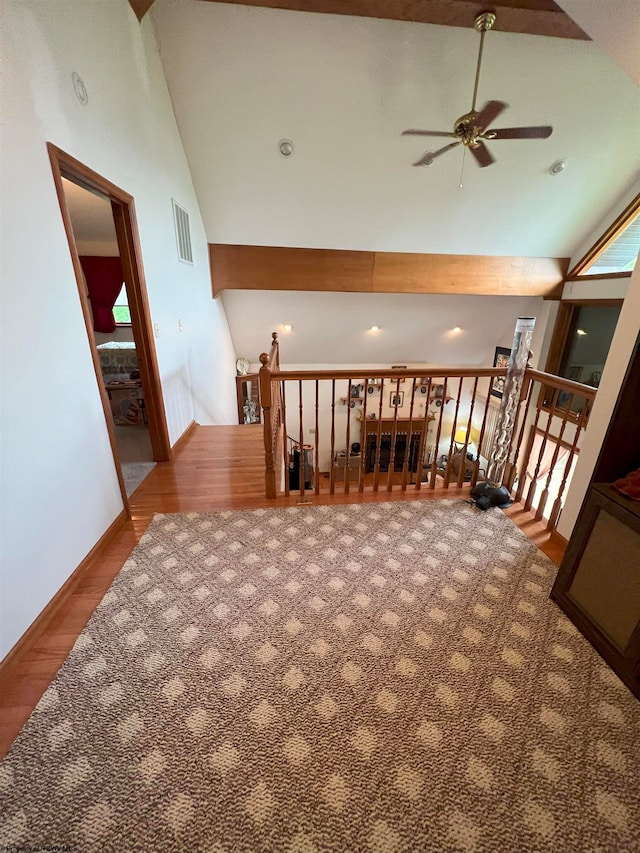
[91, 216]
[615, 28]
[342, 89]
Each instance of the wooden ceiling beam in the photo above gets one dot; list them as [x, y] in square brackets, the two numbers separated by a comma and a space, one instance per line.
[534, 17]
[141, 7]
[340, 271]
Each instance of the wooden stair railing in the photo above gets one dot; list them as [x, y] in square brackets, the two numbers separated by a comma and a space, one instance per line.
[418, 429]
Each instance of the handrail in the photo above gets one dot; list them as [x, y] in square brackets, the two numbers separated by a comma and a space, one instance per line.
[388, 373]
[537, 444]
[562, 384]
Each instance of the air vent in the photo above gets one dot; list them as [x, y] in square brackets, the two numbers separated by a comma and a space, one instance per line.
[183, 235]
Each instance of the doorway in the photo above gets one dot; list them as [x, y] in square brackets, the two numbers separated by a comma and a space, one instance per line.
[99, 220]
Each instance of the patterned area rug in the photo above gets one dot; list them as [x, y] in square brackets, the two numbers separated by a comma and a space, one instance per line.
[379, 678]
[134, 473]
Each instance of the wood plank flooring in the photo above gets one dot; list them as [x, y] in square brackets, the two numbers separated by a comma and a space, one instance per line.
[217, 468]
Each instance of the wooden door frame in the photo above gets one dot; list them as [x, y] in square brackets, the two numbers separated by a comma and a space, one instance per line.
[63, 165]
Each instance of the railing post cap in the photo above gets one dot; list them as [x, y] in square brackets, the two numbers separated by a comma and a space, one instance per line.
[264, 358]
[274, 335]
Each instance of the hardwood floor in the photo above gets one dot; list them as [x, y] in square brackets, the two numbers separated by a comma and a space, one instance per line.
[216, 468]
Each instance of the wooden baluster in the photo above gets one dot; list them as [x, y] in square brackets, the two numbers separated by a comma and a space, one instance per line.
[532, 486]
[407, 455]
[426, 420]
[316, 473]
[525, 460]
[332, 475]
[301, 434]
[240, 394]
[434, 464]
[265, 398]
[348, 438]
[376, 466]
[285, 445]
[394, 436]
[476, 464]
[511, 468]
[544, 497]
[557, 504]
[363, 435]
[463, 466]
[448, 469]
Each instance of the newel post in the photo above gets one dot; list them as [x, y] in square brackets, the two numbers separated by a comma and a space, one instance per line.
[264, 379]
[508, 414]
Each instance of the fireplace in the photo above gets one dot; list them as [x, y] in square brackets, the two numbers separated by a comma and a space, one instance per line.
[386, 440]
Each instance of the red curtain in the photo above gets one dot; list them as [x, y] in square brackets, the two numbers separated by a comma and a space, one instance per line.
[104, 282]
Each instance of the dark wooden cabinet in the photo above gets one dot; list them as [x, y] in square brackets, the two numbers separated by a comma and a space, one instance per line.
[598, 585]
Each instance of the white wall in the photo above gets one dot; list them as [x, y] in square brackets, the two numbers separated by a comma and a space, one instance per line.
[59, 487]
[333, 327]
[343, 88]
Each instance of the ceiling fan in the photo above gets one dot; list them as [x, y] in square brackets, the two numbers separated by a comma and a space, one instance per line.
[470, 129]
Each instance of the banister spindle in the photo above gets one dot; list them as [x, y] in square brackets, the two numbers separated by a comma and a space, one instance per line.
[363, 435]
[426, 420]
[394, 436]
[348, 438]
[483, 427]
[543, 444]
[376, 467]
[316, 473]
[463, 466]
[557, 504]
[448, 469]
[332, 475]
[407, 453]
[523, 467]
[301, 433]
[542, 502]
[285, 442]
[434, 464]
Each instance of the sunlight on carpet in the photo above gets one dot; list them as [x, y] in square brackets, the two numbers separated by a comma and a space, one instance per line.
[380, 678]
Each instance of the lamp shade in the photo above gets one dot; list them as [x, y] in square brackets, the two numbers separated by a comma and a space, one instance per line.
[461, 434]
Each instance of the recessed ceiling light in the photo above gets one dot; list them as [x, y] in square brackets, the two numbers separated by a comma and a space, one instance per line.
[580, 332]
[286, 147]
[287, 327]
[558, 167]
[456, 329]
[374, 328]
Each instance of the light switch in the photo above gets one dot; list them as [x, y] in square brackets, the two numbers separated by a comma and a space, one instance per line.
[180, 326]
[156, 330]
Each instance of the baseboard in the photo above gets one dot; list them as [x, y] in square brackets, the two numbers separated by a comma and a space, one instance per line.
[177, 447]
[46, 616]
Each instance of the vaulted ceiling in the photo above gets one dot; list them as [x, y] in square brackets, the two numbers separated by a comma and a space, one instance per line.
[536, 17]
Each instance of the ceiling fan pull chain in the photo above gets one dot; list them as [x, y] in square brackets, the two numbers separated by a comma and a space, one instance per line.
[464, 151]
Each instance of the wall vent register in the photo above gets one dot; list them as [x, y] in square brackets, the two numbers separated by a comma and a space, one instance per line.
[183, 233]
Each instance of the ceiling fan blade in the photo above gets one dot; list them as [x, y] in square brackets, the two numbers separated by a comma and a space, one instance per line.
[482, 154]
[427, 133]
[489, 113]
[542, 132]
[429, 156]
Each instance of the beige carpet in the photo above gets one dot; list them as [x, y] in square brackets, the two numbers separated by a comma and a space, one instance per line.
[386, 677]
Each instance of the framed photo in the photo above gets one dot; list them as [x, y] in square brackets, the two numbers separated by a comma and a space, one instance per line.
[500, 359]
[396, 398]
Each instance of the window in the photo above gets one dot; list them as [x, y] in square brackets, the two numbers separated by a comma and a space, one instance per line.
[616, 251]
[587, 345]
[582, 339]
[121, 312]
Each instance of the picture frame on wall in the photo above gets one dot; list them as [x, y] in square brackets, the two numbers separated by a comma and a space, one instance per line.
[396, 398]
[500, 359]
